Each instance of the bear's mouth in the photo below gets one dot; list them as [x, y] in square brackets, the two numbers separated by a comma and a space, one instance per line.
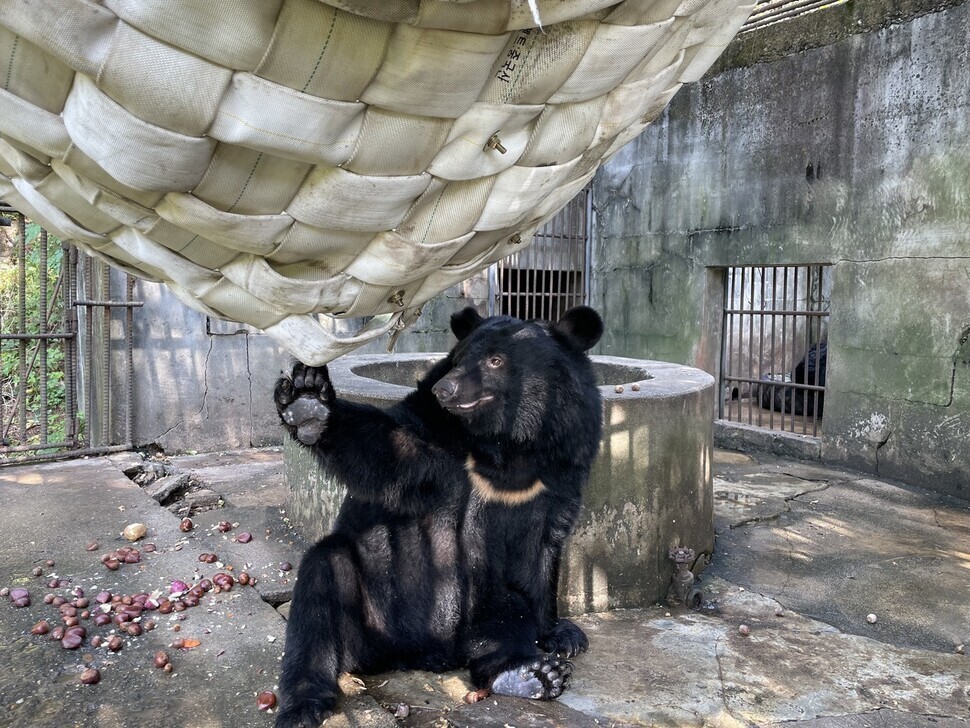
[472, 405]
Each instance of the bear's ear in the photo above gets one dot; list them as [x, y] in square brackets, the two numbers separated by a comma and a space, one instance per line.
[581, 327]
[464, 322]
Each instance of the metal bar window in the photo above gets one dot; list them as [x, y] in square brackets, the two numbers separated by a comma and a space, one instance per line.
[775, 352]
[551, 275]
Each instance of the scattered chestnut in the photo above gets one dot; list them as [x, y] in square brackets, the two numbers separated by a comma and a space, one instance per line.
[161, 659]
[42, 627]
[224, 526]
[186, 525]
[243, 578]
[244, 537]
[90, 676]
[115, 643]
[93, 546]
[286, 566]
[37, 571]
[266, 700]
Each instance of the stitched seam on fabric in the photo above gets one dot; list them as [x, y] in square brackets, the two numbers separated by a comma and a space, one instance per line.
[184, 247]
[13, 53]
[437, 202]
[326, 43]
[271, 133]
[246, 183]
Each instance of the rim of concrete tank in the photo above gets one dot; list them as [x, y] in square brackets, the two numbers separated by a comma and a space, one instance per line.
[378, 376]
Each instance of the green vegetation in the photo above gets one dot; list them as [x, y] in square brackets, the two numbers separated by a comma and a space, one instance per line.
[10, 350]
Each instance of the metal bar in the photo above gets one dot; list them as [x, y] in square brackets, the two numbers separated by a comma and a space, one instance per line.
[750, 301]
[111, 304]
[89, 354]
[22, 327]
[63, 454]
[761, 340]
[42, 343]
[69, 317]
[587, 268]
[783, 312]
[105, 358]
[807, 387]
[774, 321]
[129, 357]
[784, 334]
[33, 337]
[794, 338]
[725, 347]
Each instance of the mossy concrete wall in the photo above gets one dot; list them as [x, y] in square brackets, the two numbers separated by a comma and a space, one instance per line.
[854, 154]
[650, 489]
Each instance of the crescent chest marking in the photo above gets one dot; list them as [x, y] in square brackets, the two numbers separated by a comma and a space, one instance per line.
[489, 493]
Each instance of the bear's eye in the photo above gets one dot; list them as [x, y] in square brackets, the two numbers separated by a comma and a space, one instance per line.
[495, 361]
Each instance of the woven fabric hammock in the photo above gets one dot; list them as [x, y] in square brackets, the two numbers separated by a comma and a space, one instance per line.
[271, 160]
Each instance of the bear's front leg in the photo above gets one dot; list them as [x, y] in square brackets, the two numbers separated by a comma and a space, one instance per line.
[303, 400]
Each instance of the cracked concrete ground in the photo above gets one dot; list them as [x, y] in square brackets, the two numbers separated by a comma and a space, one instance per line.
[804, 554]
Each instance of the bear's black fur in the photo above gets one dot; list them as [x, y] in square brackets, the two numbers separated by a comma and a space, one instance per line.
[446, 549]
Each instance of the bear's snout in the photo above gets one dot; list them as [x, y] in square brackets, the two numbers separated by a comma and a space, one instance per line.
[445, 390]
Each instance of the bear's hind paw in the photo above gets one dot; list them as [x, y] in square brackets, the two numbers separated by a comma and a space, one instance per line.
[543, 678]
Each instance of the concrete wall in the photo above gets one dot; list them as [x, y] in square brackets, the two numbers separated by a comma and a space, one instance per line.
[854, 154]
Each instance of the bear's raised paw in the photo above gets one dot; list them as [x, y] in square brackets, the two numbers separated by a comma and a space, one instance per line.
[543, 678]
[302, 400]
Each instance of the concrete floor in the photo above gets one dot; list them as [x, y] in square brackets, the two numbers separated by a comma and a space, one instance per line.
[804, 554]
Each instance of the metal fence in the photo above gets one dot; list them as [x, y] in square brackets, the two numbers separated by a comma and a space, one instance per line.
[549, 277]
[775, 351]
[56, 338]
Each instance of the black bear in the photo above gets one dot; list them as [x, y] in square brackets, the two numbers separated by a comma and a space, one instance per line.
[446, 549]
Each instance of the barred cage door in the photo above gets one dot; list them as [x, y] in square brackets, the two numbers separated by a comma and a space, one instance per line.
[775, 349]
[551, 276]
[56, 378]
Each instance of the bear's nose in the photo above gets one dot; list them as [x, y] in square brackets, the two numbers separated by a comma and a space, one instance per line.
[445, 389]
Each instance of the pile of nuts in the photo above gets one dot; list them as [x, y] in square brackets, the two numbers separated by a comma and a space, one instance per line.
[124, 614]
